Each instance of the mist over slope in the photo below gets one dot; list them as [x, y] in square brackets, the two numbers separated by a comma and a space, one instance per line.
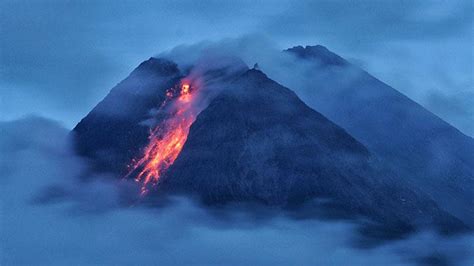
[112, 133]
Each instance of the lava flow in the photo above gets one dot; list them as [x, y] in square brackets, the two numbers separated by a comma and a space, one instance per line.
[167, 139]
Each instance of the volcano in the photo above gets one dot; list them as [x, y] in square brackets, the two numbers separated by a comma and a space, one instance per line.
[251, 140]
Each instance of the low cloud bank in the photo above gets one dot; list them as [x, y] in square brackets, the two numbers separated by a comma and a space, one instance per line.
[50, 217]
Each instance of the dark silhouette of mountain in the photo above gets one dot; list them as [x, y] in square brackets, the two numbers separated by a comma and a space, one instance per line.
[256, 142]
[425, 151]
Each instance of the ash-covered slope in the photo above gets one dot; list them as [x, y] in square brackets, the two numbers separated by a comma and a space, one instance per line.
[421, 148]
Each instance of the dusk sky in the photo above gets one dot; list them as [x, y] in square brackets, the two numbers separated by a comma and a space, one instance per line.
[59, 58]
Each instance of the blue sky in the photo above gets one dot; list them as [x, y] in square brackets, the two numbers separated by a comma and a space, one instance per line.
[59, 58]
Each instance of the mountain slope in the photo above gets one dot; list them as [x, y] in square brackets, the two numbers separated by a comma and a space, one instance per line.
[113, 132]
[421, 148]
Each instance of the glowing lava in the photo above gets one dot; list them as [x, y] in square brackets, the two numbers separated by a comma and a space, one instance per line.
[166, 140]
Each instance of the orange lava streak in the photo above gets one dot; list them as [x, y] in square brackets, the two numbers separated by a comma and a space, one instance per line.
[166, 140]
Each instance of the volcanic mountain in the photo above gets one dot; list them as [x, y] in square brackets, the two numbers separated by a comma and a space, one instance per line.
[251, 140]
[421, 148]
